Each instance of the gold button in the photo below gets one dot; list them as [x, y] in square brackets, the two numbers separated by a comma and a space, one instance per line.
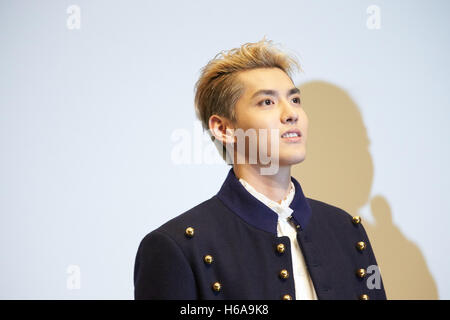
[360, 245]
[361, 273]
[364, 297]
[281, 248]
[287, 297]
[208, 259]
[356, 220]
[216, 286]
[284, 274]
[189, 232]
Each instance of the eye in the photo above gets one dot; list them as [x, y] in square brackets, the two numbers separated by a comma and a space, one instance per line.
[296, 100]
[265, 102]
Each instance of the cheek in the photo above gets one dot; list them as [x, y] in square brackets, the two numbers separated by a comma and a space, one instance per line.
[261, 121]
[263, 128]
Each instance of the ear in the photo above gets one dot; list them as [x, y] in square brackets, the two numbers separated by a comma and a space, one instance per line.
[221, 129]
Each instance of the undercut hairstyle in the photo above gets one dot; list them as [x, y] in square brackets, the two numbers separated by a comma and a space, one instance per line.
[218, 89]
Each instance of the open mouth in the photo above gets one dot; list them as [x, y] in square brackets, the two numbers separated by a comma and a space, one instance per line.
[291, 135]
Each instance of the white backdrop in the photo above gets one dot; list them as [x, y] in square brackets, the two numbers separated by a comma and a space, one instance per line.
[92, 91]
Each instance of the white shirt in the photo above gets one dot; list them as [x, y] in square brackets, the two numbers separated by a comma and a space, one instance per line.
[304, 288]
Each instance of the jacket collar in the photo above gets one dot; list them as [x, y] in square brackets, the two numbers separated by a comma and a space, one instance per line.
[240, 201]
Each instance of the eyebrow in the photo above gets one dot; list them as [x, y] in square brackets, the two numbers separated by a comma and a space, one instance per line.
[274, 93]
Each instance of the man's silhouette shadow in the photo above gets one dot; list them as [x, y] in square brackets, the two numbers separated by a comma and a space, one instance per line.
[338, 169]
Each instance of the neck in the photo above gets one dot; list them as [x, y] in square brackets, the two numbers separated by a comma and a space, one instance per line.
[274, 187]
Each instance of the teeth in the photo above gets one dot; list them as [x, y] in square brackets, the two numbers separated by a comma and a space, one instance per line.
[290, 135]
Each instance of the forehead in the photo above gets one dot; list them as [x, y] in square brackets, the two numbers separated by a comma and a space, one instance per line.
[265, 78]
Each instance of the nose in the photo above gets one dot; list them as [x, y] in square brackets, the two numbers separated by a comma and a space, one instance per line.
[289, 115]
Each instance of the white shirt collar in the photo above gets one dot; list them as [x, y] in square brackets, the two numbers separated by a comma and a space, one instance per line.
[282, 209]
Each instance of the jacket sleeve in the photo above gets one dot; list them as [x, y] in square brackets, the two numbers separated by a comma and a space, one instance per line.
[161, 270]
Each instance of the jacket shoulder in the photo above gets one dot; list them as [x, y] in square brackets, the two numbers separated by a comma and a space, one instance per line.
[200, 212]
[207, 216]
[329, 212]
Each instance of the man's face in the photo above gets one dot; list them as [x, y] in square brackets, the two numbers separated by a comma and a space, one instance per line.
[271, 101]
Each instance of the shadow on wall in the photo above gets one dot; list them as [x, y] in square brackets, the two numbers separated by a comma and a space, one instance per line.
[338, 169]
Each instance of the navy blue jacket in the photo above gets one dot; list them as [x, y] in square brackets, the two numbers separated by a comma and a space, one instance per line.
[239, 234]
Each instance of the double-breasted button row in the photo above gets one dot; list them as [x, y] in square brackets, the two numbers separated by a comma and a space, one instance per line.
[283, 274]
[208, 259]
[360, 245]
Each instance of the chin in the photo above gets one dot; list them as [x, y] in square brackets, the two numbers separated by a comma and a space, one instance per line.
[292, 159]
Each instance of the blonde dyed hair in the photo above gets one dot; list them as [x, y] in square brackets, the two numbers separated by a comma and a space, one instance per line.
[218, 89]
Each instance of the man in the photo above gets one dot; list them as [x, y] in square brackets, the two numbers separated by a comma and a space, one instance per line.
[259, 237]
